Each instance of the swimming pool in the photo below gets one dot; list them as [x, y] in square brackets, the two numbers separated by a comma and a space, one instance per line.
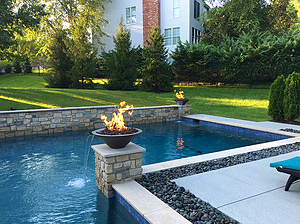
[43, 179]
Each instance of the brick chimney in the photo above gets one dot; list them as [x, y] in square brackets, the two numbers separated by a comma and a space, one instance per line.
[151, 16]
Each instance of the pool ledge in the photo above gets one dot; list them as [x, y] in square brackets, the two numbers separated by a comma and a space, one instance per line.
[150, 209]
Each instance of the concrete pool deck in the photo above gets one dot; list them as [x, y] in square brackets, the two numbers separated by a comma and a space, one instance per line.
[250, 192]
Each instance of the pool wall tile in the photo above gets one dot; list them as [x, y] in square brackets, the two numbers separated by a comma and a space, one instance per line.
[238, 129]
[130, 209]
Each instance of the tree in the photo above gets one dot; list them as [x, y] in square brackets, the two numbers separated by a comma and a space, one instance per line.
[14, 17]
[275, 108]
[234, 18]
[59, 59]
[67, 13]
[121, 62]
[282, 17]
[81, 53]
[292, 97]
[156, 72]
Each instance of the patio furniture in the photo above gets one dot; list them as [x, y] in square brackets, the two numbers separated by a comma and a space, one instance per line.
[289, 166]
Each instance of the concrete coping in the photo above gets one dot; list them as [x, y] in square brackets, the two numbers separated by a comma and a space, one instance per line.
[246, 126]
[105, 151]
[56, 109]
[84, 108]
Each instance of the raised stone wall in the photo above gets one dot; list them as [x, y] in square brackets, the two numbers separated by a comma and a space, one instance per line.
[44, 121]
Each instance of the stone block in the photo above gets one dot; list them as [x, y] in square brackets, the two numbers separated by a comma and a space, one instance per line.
[19, 133]
[66, 112]
[122, 158]
[4, 129]
[13, 128]
[118, 165]
[138, 163]
[119, 176]
[43, 132]
[37, 128]
[136, 156]
[109, 177]
[74, 128]
[10, 135]
[55, 121]
[58, 130]
[132, 166]
[57, 115]
[135, 172]
[108, 169]
[28, 132]
[52, 125]
[21, 128]
[127, 163]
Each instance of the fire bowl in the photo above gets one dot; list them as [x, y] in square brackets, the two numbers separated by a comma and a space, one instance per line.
[116, 141]
[184, 101]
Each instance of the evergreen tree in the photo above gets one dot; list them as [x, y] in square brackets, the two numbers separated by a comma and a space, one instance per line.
[59, 60]
[81, 52]
[292, 97]
[156, 72]
[275, 108]
[121, 63]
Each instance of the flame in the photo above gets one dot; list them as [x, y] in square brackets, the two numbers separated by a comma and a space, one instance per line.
[117, 122]
[179, 143]
[179, 95]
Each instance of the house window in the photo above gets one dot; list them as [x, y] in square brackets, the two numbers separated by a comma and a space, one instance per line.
[172, 36]
[131, 15]
[176, 8]
[196, 34]
[168, 37]
[196, 9]
[176, 35]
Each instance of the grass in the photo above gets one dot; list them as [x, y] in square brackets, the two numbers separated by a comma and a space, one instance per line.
[29, 92]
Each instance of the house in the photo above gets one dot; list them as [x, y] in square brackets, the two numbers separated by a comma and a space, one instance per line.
[178, 20]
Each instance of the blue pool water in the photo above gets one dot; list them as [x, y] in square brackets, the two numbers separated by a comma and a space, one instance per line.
[43, 179]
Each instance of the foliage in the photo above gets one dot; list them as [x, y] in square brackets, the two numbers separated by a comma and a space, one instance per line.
[185, 58]
[59, 60]
[282, 17]
[275, 108]
[292, 97]
[71, 13]
[14, 17]
[156, 71]
[256, 57]
[121, 62]
[233, 19]
[81, 53]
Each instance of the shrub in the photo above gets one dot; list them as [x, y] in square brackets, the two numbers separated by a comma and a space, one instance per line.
[157, 73]
[59, 60]
[122, 62]
[292, 97]
[275, 108]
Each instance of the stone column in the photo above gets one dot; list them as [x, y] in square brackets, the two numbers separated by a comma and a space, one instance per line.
[117, 165]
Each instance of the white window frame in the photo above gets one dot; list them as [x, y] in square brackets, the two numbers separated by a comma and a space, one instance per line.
[130, 15]
[176, 8]
[197, 10]
[170, 36]
[196, 34]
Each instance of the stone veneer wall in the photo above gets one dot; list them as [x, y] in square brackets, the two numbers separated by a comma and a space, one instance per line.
[44, 121]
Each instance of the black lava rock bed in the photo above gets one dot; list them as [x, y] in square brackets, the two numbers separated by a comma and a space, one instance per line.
[187, 204]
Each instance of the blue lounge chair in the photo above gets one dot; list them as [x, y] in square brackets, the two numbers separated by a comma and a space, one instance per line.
[289, 166]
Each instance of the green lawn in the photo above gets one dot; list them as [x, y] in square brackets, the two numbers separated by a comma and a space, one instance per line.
[29, 92]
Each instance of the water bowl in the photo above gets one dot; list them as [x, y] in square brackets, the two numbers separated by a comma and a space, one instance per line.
[181, 101]
[116, 141]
